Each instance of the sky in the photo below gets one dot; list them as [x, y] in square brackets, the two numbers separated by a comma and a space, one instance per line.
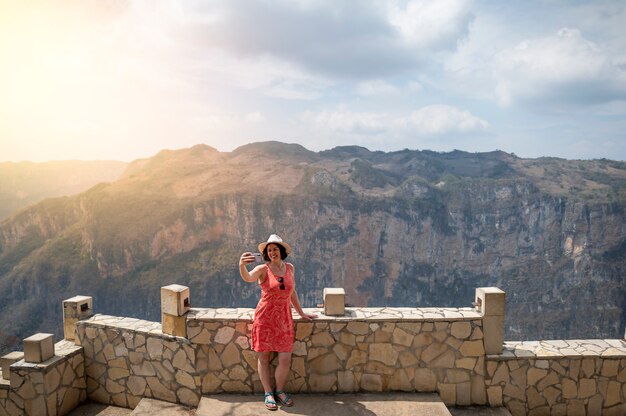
[121, 80]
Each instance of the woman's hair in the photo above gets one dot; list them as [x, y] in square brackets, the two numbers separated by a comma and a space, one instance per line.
[283, 252]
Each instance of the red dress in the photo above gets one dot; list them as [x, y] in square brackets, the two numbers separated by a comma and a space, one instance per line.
[272, 329]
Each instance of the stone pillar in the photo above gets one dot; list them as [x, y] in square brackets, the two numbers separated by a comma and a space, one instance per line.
[174, 325]
[174, 307]
[74, 310]
[38, 348]
[7, 360]
[334, 301]
[490, 302]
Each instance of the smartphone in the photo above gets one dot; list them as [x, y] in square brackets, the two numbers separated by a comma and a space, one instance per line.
[258, 257]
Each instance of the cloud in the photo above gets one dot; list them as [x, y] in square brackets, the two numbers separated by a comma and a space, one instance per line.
[283, 49]
[444, 119]
[432, 120]
[415, 87]
[431, 24]
[376, 87]
[565, 67]
[255, 118]
[345, 121]
[340, 40]
[265, 75]
[102, 74]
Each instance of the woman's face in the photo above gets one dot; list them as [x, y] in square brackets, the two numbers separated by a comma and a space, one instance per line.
[273, 252]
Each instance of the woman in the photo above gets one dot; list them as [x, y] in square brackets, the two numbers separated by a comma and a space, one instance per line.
[272, 330]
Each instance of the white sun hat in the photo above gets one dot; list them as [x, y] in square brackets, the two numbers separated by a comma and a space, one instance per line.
[275, 239]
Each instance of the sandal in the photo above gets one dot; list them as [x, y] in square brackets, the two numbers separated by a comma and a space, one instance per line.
[270, 403]
[287, 402]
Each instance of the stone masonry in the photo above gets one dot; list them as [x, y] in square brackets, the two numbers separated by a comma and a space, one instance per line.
[127, 359]
[119, 361]
[558, 378]
[374, 350]
[50, 388]
[366, 350]
[370, 349]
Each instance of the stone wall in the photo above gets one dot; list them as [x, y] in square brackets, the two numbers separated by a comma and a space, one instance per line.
[127, 359]
[369, 349]
[53, 387]
[366, 350]
[121, 360]
[579, 377]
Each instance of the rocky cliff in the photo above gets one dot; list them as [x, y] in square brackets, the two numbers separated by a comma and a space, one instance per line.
[405, 228]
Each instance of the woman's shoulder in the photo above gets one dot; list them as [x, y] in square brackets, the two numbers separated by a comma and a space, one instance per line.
[261, 268]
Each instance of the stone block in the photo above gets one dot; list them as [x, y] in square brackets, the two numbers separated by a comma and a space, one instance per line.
[612, 394]
[464, 394]
[80, 307]
[384, 353]
[324, 383]
[479, 393]
[7, 360]
[74, 310]
[334, 301]
[425, 380]
[38, 348]
[461, 330]
[447, 392]
[371, 382]
[493, 329]
[346, 382]
[490, 301]
[494, 396]
[175, 300]
[174, 325]
[472, 349]
[569, 388]
[588, 387]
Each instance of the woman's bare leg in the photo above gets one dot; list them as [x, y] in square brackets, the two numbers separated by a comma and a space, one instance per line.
[282, 370]
[264, 371]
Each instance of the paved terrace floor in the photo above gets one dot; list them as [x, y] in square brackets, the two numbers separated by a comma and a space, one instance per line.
[366, 404]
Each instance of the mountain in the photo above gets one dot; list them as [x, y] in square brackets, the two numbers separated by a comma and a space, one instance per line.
[406, 228]
[26, 183]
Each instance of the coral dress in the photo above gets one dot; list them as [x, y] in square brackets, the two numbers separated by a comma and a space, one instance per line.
[272, 329]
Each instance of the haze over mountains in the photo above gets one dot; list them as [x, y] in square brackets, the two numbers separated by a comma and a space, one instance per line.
[25, 183]
[407, 228]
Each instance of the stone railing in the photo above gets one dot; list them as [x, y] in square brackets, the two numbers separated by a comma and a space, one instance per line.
[368, 349]
[576, 377]
[53, 386]
[457, 352]
[127, 359]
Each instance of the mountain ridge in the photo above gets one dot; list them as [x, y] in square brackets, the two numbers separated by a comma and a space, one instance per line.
[407, 228]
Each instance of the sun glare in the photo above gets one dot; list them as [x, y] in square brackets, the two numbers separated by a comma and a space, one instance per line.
[63, 82]
[47, 66]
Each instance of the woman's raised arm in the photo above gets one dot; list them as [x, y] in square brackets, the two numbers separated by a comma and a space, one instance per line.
[258, 273]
